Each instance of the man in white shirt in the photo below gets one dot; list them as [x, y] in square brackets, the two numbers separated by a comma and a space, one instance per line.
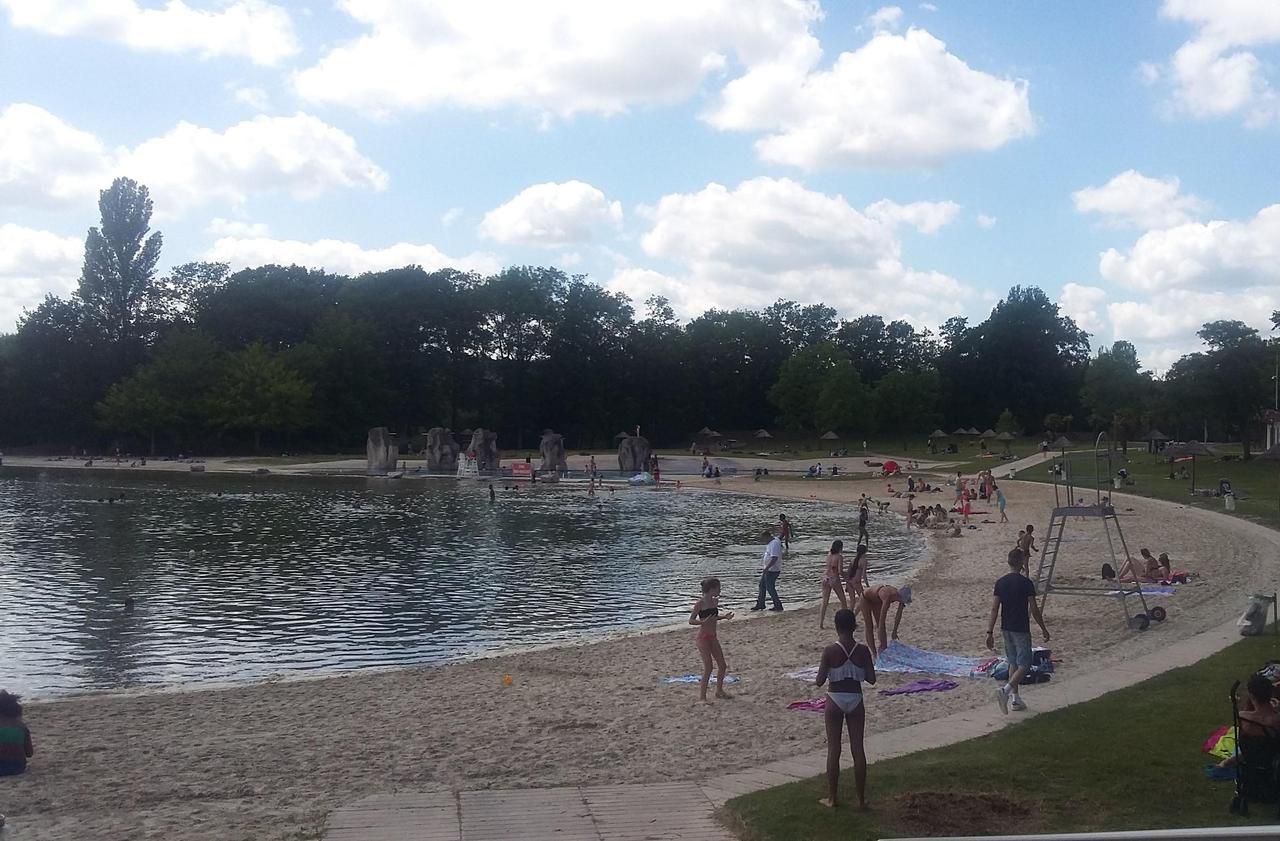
[770, 569]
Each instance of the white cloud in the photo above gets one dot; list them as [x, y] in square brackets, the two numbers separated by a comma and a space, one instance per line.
[254, 97]
[1164, 326]
[1149, 72]
[899, 99]
[1201, 256]
[46, 162]
[928, 217]
[985, 221]
[1215, 74]
[220, 227]
[341, 256]
[1134, 199]
[770, 238]
[1084, 304]
[450, 216]
[929, 7]
[885, 18]
[252, 29]
[559, 58]
[551, 215]
[34, 264]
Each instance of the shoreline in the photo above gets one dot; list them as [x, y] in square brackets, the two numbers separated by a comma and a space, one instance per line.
[239, 765]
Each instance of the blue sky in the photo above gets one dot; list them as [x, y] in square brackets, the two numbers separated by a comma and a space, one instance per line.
[912, 160]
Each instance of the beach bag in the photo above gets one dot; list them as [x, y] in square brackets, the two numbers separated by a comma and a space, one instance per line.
[1254, 619]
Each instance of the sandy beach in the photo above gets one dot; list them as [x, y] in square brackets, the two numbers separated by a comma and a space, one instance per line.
[266, 762]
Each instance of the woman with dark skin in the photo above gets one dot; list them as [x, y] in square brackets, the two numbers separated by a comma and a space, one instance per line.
[847, 664]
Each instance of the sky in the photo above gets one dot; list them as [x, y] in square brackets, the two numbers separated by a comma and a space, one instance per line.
[913, 160]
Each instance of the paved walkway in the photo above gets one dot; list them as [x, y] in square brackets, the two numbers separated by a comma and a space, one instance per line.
[672, 811]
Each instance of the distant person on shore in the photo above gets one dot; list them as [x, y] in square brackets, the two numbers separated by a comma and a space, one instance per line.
[591, 468]
[864, 512]
[15, 737]
[1027, 545]
[856, 577]
[832, 579]
[846, 665]
[784, 531]
[1014, 602]
[1002, 502]
[706, 616]
[876, 602]
[771, 568]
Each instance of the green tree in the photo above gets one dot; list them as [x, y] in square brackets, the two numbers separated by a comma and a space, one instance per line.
[1008, 423]
[1117, 393]
[137, 404]
[797, 392]
[258, 392]
[907, 402]
[845, 403]
[117, 284]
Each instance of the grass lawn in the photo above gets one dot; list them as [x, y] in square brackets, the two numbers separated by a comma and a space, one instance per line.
[1129, 760]
[1256, 483]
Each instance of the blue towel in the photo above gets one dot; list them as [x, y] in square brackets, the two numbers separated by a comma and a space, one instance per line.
[697, 679]
[904, 659]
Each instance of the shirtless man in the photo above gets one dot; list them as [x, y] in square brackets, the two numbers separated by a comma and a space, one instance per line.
[1258, 717]
[1027, 544]
[875, 604]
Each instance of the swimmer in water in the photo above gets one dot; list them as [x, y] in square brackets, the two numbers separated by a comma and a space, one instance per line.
[493, 495]
[832, 576]
[846, 664]
[706, 616]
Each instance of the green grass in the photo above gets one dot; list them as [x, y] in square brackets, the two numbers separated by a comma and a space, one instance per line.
[1129, 760]
[1256, 483]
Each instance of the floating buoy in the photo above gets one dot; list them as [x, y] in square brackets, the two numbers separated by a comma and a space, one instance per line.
[507, 680]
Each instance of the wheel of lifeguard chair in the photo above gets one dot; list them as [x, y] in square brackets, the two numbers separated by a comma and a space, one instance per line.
[1157, 614]
[1140, 622]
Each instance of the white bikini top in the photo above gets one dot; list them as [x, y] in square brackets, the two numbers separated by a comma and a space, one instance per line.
[848, 670]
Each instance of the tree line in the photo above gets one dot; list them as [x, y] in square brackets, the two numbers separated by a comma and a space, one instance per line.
[205, 360]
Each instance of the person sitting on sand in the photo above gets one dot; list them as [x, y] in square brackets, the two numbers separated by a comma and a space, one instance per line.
[875, 603]
[953, 530]
[846, 665]
[706, 616]
[1258, 717]
[15, 736]
[1146, 570]
[855, 579]
[832, 574]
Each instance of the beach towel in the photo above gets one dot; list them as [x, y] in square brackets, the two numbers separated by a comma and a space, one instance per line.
[813, 705]
[1222, 743]
[697, 679]
[917, 686]
[1148, 590]
[904, 659]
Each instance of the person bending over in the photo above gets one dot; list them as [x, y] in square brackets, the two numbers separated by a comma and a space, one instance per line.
[876, 602]
[846, 665]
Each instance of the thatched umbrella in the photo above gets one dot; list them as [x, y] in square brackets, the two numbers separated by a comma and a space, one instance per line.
[1154, 439]
[830, 436]
[973, 430]
[763, 433]
[1193, 449]
[960, 430]
[1062, 443]
[705, 432]
[621, 436]
[989, 433]
[938, 433]
[1005, 438]
[714, 434]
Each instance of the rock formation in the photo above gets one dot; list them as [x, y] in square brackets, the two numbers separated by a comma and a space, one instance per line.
[553, 456]
[442, 450]
[382, 451]
[484, 446]
[633, 454]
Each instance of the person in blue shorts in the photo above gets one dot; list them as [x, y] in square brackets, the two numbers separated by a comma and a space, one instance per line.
[1014, 602]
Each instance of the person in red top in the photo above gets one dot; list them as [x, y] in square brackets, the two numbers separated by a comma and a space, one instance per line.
[784, 531]
[15, 736]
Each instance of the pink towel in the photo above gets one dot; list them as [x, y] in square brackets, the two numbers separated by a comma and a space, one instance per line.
[813, 705]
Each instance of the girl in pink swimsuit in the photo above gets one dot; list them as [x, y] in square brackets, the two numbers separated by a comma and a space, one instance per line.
[706, 616]
[847, 664]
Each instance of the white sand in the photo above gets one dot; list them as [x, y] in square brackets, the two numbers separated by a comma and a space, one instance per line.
[267, 761]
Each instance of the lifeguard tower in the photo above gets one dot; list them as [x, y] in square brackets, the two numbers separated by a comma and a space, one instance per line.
[1093, 506]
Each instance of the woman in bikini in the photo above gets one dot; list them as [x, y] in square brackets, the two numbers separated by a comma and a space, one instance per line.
[875, 604]
[846, 664]
[856, 577]
[832, 579]
[706, 616]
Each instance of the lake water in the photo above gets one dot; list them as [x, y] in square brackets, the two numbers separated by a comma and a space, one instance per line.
[240, 578]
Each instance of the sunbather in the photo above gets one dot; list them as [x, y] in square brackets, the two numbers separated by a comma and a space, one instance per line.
[875, 604]
[1258, 716]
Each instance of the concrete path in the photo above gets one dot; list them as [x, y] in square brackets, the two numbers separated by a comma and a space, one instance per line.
[684, 810]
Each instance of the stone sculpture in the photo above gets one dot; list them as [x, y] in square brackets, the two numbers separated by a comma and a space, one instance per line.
[442, 450]
[484, 446]
[381, 451]
[633, 454]
[553, 456]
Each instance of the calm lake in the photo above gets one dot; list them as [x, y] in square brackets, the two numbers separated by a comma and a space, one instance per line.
[240, 578]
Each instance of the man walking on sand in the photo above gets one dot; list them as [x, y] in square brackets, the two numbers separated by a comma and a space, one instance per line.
[771, 568]
[1014, 601]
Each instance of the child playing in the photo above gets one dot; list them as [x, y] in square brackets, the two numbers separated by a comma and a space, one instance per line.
[706, 616]
[15, 737]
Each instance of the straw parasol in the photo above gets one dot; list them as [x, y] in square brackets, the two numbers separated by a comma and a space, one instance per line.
[1062, 443]
[1005, 438]
[620, 436]
[973, 430]
[830, 436]
[705, 432]
[1156, 435]
[960, 431]
[938, 433]
[1194, 449]
[763, 433]
[989, 433]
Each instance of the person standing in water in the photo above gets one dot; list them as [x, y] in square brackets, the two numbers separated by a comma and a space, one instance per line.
[831, 579]
[856, 578]
[846, 665]
[493, 495]
[784, 531]
[771, 568]
[706, 616]
[864, 512]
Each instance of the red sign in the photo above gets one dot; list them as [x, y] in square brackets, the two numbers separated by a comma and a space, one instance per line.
[522, 470]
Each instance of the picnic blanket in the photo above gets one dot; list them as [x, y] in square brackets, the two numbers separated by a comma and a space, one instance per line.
[696, 679]
[917, 686]
[1221, 743]
[905, 659]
